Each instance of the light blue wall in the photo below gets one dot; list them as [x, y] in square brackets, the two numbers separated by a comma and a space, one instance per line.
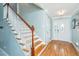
[39, 19]
[7, 40]
[1, 12]
[75, 36]
[75, 32]
[62, 28]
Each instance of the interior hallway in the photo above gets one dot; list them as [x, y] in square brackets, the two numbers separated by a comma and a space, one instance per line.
[59, 48]
[30, 29]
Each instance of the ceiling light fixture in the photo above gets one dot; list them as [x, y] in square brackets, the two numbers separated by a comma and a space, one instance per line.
[61, 12]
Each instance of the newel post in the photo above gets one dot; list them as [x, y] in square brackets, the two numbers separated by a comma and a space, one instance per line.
[33, 51]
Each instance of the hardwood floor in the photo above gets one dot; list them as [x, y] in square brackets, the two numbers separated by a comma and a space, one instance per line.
[59, 48]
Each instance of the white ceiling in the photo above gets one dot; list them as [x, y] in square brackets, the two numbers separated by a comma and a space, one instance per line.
[52, 8]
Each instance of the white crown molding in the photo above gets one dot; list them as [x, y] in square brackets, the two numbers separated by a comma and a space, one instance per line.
[61, 17]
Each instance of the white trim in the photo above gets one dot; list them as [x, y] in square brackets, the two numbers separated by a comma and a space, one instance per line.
[59, 17]
[75, 47]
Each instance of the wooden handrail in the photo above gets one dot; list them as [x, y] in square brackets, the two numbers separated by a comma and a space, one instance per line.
[31, 28]
[33, 47]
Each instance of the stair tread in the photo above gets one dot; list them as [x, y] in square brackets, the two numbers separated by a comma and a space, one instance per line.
[26, 32]
[27, 36]
[36, 38]
[26, 49]
[37, 43]
[37, 51]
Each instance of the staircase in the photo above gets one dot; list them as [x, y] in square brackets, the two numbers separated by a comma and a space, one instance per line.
[23, 33]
